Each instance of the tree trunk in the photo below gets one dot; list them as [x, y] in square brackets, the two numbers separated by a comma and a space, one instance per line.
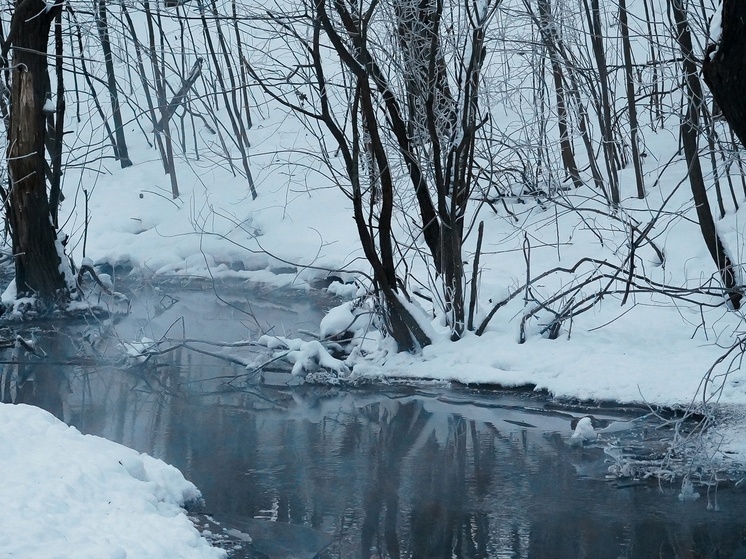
[593, 14]
[37, 262]
[56, 125]
[549, 37]
[724, 67]
[689, 135]
[631, 101]
[120, 148]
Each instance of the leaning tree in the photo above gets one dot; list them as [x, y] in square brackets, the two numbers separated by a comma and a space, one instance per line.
[37, 253]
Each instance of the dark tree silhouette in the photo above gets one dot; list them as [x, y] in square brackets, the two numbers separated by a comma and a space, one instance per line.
[37, 260]
[724, 66]
[689, 133]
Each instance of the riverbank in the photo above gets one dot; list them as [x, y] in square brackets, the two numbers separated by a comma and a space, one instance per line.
[299, 468]
[646, 333]
[65, 494]
[149, 408]
[647, 347]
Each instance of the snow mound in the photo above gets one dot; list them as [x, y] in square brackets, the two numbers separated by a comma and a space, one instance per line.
[65, 494]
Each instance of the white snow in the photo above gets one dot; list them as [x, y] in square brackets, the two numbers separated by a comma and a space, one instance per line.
[338, 320]
[137, 352]
[70, 492]
[65, 494]
[584, 432]
[306, 357]
[654, 349]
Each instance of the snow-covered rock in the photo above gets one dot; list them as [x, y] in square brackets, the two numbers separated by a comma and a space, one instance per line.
[584, 432]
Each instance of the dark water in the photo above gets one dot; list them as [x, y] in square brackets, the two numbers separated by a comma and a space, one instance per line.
[385, 471]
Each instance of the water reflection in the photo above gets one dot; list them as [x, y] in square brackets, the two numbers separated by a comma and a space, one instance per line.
[388, 472]
[397, 473]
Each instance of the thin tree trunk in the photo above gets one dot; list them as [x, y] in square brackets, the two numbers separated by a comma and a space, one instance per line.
[655, 108]
[710, 134]
[242, 68]
[235, 118]
[593, 14]
[89, 82]
[111, 80]
[631, 102]
[163, 137]
[474, 276]
[548, 33]
[144, 82]
[56, 123]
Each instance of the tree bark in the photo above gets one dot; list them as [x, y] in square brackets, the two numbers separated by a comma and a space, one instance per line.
[689, 136]
[120, 148]
[631, 101]
[37, 262]
[724, 67]
[549, 37]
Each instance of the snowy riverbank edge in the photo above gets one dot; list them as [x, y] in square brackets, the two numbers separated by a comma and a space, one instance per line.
[66, 494]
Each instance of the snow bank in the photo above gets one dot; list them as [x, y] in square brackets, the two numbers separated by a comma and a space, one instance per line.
[65, 494]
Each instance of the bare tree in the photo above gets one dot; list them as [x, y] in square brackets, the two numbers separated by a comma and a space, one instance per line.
[36, 250]
[631, 100]
[408, 129]
[596, 30]
[120, 148]
[724, 65]
[690, 135]
[550, 40]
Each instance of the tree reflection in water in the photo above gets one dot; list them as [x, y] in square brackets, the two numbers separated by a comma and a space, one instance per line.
[434, 473]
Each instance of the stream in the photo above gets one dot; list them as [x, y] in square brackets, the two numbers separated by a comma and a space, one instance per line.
[427, 470]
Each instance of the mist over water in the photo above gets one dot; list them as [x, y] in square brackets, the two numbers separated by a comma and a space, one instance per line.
[384, 471]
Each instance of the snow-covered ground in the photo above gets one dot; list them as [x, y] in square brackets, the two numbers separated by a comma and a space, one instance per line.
[653, 349]
[65, 494]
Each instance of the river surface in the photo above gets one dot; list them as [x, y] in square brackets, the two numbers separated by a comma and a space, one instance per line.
[424, 471]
